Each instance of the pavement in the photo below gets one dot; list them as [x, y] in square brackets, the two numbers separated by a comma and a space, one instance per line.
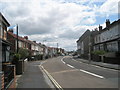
[106, 65]
[33, 77]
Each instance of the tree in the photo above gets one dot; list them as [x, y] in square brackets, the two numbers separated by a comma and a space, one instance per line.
[23, 52]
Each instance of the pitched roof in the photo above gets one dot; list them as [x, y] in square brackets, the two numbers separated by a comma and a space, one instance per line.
[15, 36]
[2, 17]
[84, 35]
[111, 25]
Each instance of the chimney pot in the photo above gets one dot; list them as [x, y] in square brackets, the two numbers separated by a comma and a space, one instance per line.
[34, 41]
[26, 37]
[100, 28]
[10, 30]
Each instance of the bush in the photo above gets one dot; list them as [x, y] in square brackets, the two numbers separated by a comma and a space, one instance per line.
[23, 52]
[58, 53]
[39, 57]
[16, 58]
[98, 52]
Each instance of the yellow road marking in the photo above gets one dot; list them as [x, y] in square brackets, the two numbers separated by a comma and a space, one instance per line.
[52, 79]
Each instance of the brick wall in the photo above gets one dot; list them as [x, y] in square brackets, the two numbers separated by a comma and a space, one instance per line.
[1, 80]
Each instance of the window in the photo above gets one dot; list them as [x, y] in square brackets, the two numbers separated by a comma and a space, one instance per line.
[5, 35]
[5, 54]
[0, 31]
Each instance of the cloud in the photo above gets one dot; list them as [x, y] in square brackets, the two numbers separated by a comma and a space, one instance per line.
[108, 8]
[56, 20]
[72, 34]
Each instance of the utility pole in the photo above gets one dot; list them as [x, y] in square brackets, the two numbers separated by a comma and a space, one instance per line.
[90, 48]
[17, 39]
[57, 48]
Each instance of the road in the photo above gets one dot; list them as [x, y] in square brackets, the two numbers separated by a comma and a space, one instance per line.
[69, 73]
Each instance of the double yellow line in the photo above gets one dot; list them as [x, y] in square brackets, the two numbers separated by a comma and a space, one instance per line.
[52, 79]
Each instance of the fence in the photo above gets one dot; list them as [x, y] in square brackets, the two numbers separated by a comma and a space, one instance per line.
[9, 75]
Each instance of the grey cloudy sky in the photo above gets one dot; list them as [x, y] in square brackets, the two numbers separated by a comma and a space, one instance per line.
[58, 21]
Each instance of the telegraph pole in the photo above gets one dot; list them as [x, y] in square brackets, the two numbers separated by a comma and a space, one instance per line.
[17, 38]
[57, 48]
[90, 48]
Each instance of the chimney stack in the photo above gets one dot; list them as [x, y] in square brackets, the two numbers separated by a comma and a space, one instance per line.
[96, 29]
[34, 41]
[107, 23]
[10, 30]
[26, 37]
[100, 28]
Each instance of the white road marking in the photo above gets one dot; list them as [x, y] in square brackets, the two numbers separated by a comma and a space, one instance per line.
[70, 66]
[63, 61]
[96, 66]
[91, 73]
[84, 70]
[67, 64]
[104, 68]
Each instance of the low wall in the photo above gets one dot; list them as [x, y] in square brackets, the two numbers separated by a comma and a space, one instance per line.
[84, 56]
[112, 60]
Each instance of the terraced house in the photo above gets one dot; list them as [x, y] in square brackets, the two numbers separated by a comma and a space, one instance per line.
[7, 70]
[102, 40]
[108, 40]
[13, 39]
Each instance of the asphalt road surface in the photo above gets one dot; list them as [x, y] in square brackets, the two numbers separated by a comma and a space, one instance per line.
[70, 73]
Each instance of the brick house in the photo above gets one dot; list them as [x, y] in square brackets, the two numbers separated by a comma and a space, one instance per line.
[22, 42]
[34, 48]
[7, 70]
